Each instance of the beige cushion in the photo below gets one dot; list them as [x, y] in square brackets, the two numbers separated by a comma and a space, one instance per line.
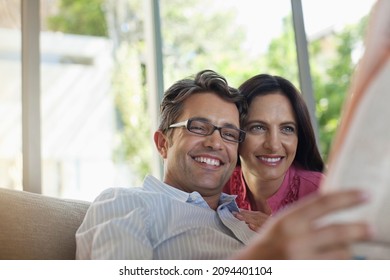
[34, 226]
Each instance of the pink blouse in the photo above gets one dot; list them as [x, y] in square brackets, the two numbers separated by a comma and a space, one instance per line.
[296, 184]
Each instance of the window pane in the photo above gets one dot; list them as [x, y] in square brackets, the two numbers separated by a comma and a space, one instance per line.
[93, 79]
[229, 36]
[10, 95]
[335, 31]
[79, 127]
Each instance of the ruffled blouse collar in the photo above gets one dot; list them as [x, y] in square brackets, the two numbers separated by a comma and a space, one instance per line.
[286, 194]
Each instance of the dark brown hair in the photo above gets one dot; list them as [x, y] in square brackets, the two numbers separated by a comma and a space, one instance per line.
[205, 81]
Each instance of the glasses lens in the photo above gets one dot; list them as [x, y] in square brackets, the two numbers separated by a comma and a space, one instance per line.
[200, 127]
[230, 134]
[205, 128]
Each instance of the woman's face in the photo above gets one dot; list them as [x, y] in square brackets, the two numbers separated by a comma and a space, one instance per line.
[271, 139]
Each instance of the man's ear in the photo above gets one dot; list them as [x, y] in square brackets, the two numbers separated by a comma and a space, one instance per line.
[161, 142]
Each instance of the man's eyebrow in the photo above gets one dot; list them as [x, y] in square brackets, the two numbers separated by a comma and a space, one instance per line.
[200, 119]
[229, 125]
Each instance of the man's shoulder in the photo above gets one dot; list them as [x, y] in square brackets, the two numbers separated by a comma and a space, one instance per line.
[148, 187]
[117, 193]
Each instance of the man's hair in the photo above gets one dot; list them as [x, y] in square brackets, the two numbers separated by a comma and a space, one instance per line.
[206, 81]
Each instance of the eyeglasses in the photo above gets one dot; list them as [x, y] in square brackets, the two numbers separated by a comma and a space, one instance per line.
[204, 128]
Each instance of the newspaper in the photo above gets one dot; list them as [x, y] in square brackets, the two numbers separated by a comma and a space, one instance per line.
[360, 155]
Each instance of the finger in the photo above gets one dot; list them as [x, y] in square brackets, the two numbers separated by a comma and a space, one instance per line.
[255, 227]
[253, 213]
[341, 234]
[339, 253]
[329, 242]
[253, 217]
[342, 253]
[318, 205]
[238, 216]
[247, 219]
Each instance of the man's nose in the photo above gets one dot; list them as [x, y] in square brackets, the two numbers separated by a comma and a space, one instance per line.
[214, 140]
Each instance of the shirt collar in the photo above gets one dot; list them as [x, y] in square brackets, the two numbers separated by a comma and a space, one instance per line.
[229, 201]
[151, 183]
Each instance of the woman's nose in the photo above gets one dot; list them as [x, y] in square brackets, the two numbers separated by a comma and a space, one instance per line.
[272, 141]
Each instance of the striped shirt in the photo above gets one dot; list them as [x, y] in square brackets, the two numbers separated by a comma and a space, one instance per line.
[158, 221]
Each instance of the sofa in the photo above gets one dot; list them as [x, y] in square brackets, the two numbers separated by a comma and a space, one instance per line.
[38, 227]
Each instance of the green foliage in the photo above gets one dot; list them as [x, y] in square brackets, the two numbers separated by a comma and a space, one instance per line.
[281, 57]
[131, 107]
[195, 37]
[84, 17]
[198, 36]
[332, 85]
[331, 68]
[88, 17]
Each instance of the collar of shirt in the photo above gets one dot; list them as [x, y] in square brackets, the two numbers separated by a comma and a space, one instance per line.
[153, 184]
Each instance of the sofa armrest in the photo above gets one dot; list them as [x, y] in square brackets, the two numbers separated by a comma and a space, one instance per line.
[34, 226]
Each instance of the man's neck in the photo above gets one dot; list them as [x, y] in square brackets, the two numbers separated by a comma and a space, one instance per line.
[212, 201]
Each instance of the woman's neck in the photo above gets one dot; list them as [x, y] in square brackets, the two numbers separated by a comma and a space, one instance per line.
[259, 191]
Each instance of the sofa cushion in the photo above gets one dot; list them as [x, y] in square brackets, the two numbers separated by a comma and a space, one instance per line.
[34, 226]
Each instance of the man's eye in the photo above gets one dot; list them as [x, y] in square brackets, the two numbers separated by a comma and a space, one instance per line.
[199, 128]
[230, 134]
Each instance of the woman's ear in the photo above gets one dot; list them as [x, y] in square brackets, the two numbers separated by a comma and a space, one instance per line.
[161, 142]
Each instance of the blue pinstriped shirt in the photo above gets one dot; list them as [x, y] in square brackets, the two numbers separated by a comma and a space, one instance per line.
[157, 221]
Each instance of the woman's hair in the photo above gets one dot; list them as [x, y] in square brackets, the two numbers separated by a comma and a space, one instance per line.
[307, 154]
[206, 81]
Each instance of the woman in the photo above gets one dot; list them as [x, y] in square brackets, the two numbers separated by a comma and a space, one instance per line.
[279, 160]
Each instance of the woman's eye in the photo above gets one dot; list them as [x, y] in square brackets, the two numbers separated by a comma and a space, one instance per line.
[257, 129]
[288, 129]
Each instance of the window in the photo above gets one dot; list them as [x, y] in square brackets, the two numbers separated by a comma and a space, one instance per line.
[10, 95]
[95, 129]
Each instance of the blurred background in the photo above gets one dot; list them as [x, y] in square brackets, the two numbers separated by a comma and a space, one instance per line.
[95, 100]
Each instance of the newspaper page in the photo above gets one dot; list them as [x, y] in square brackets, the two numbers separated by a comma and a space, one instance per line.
[360, 156]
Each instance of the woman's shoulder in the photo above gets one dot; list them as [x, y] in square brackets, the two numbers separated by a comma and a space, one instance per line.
[309, 181]
[309, 175]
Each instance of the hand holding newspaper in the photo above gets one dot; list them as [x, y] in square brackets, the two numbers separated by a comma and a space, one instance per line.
[360, 155]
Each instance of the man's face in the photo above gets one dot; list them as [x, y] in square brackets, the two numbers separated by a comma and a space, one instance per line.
[201, 163]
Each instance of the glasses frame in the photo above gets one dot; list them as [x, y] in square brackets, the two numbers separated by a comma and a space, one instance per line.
[186, 124]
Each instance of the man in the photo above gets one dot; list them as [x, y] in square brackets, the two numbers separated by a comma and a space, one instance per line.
[186, 216]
